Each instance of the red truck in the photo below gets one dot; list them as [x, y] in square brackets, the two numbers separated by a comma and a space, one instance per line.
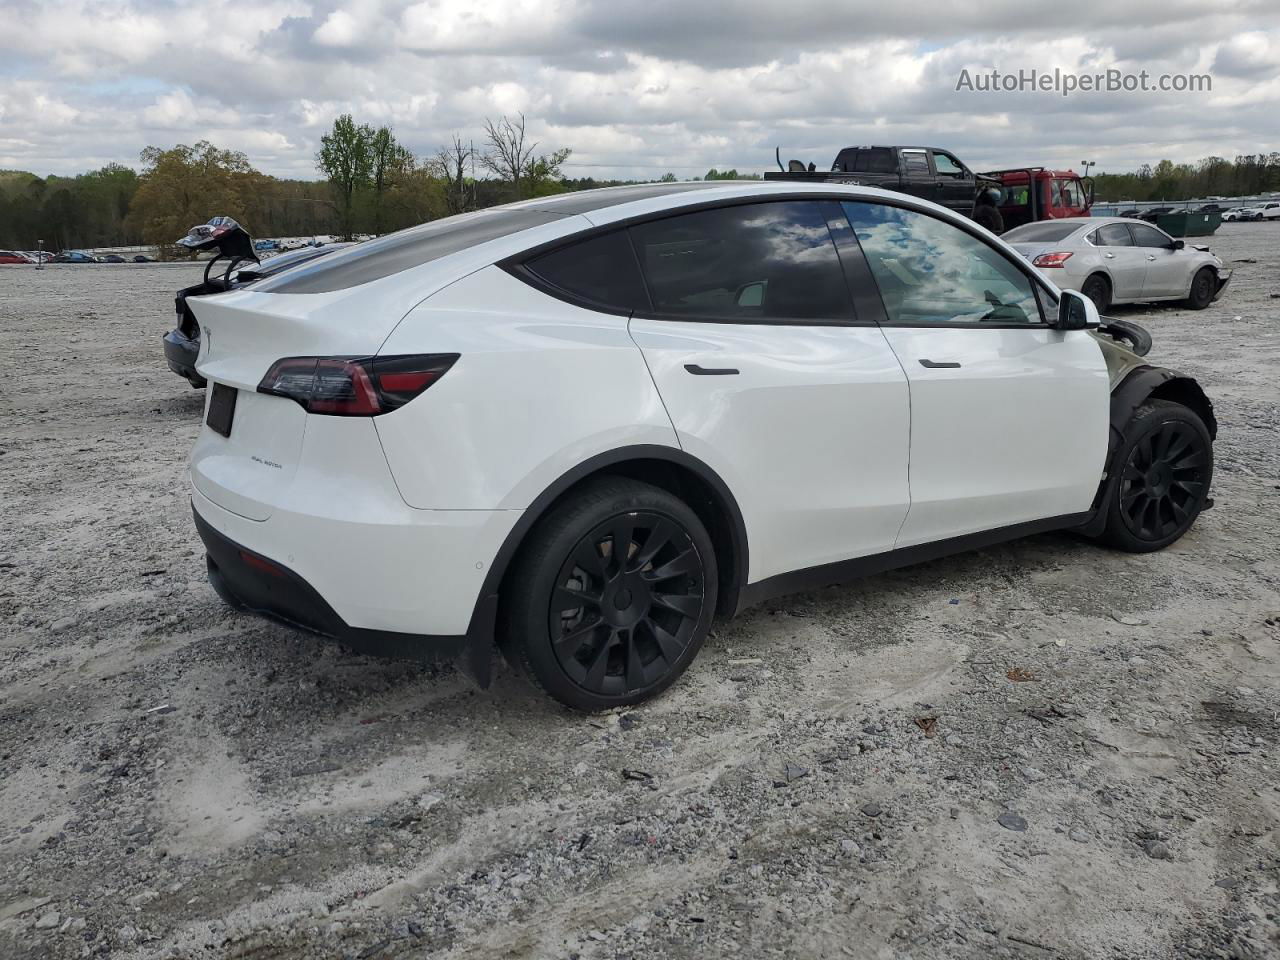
[1028, 194]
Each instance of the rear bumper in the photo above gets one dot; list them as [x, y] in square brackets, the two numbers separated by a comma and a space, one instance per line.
[180, 352]
[251, 582]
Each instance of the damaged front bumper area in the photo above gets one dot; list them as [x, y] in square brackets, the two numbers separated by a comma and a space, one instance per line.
[1224, 278]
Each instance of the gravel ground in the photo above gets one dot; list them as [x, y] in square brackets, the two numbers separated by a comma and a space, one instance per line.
[845, 773]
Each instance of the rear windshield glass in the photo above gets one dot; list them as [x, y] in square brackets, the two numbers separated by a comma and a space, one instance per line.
[1046, 230]
[375, 259]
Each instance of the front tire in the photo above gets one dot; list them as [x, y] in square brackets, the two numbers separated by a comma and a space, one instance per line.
[1163, 470]
[611, 597]
[1203, 286]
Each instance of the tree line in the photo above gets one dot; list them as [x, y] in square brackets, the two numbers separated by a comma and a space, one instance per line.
[374, 184]
[1245, 176]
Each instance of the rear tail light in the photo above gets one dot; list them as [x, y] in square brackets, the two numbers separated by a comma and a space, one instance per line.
[1052, 259]
[363, 387]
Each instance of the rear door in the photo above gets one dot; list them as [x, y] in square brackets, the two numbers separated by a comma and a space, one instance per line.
[918, 177]
[771, 377]
[1125, 262]
[1166, 274]
[1009, 417]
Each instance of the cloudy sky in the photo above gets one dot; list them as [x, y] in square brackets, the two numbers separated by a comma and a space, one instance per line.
[635, 88]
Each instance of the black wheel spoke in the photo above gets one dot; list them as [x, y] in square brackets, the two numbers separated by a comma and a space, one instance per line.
[1193, 460]
[659, 537]
[587, 554]
[683, 604]
[670, 646]
[634, 668]
[566, 598]
[571, 642]
[622, 534]
[685, 563]
[599, 664]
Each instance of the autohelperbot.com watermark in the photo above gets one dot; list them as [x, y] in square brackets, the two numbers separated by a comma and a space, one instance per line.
[1065, 82]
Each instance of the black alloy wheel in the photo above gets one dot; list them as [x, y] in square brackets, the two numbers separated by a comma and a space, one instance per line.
[611, 595]
[626, 603]
[1164, 481]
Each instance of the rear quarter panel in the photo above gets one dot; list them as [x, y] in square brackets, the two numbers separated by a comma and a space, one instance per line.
[540, 386]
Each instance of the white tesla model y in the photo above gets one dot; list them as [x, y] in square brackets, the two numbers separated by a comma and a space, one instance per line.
[584, 426]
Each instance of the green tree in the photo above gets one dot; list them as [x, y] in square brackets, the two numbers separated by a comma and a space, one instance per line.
[346, 159]
[388, 161]
[185, 185]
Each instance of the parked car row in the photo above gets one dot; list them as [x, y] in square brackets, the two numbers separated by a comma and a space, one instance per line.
[68, 256]
[1261, 211]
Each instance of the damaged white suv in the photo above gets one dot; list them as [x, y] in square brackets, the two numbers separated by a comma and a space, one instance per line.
[586, 425]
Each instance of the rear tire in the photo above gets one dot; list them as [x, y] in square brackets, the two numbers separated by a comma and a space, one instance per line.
[598, 626]
[1162, 473]
[1098, 289]
[1203, 287]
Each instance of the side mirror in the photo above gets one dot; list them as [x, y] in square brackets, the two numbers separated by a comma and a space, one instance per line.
[1177, 245]
[1075, 312]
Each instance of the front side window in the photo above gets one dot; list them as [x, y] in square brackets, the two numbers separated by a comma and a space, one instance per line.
[758, 262]
[931, 272]
[1146, 236]
[946, 165]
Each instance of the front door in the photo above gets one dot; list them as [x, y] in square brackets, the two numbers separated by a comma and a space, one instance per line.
[771, 380]
[1009, 417]
[1166, 267]
[955, 184]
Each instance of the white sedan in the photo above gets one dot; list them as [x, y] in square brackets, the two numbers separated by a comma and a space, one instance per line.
[584, 426]
[1120, 260]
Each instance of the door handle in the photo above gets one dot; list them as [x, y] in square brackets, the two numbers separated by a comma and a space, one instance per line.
[1109, 256]
[940, 365]
[1151, 256]
[700, 371]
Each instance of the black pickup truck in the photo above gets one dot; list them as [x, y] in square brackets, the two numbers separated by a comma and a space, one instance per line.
[928, 172]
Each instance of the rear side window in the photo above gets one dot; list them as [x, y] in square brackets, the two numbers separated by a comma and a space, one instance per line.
[759, 262]
[916, 163]
[375, 259]
[601, 269]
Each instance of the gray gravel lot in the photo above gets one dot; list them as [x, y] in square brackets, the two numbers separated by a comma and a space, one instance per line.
[845, 773]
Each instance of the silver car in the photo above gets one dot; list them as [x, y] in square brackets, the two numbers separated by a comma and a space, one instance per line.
[1120, 260]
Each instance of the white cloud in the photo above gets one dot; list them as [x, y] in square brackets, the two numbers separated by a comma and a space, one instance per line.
[634, 89]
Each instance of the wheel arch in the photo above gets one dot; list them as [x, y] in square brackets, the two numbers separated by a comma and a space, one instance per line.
[1140, 385]
[669, 468]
